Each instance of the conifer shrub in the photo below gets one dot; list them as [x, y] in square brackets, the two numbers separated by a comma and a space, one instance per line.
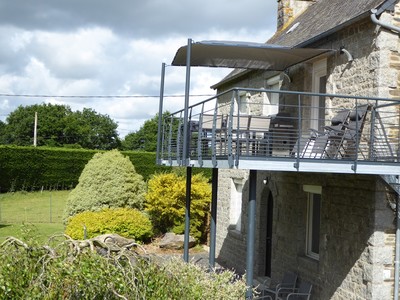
[166, 201]
[127, 222]
[109, 180]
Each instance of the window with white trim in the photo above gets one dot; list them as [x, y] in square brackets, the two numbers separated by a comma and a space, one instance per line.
[242, 106]
[271, 100]
[319, 80]
[313, 220]
[235, 211]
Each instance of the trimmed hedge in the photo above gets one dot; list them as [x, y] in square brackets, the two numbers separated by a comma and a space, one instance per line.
[30, 168]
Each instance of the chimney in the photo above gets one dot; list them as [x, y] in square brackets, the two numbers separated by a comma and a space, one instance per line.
[289, 9]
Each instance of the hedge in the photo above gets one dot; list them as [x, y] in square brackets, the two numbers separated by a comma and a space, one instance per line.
[30, 168]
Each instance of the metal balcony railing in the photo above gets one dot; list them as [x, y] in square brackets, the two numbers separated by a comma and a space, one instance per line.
[284, 130]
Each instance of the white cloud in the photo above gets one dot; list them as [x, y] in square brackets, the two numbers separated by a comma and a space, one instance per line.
[100, 47]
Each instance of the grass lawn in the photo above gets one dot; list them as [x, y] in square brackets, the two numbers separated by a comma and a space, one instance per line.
[41, 212]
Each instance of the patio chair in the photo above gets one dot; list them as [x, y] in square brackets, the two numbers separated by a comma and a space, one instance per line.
[338, 121]
[286, 286]
[315, 146]
[302, 293]
[350, 140]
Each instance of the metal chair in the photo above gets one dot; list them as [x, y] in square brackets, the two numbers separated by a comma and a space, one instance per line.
[302, 293]
[286, 286]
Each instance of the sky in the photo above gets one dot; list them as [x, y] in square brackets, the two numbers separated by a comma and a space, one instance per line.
[61, 48]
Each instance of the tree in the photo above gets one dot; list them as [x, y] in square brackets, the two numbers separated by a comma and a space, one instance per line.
[109, 180]
[20, 125]
[58, 126]
[145, 138]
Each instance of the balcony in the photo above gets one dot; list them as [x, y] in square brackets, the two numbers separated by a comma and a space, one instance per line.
[273, 130]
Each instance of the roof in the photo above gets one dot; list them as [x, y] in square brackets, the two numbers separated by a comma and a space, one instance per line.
[244, 55]
[322, 18]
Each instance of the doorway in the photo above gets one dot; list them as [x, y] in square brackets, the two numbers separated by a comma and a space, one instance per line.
[268, 232]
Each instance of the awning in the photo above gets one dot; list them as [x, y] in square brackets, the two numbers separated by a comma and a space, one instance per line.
[244, 55]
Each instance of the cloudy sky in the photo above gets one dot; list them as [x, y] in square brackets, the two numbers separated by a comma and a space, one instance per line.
[103, 47]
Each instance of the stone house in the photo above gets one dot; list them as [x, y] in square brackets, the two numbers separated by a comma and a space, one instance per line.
[283, 201]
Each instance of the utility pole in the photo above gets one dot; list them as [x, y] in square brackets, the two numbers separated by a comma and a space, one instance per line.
[35, 131]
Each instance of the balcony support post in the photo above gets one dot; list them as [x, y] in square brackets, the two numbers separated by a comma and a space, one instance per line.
[251, 233]
[213, 225]
[187, 214]
[397, 250]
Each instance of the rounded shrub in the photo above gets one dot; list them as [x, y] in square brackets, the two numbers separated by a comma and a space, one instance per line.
[109, 180]
[127, 222]
[166, 201]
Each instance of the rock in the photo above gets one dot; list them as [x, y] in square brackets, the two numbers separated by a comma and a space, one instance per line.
[175, 241]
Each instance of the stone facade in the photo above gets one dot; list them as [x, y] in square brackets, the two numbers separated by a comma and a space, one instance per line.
[356, 259]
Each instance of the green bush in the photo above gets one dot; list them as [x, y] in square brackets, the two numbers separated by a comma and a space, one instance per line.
[126, 222]
[34, 168]
[166, 202]
[57, 271]
[108, 180]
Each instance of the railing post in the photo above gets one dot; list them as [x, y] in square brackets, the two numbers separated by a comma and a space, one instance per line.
[213, 136]
[160, 111]
[178, 141]
[357, 138]
[185, 112]
[229, 131]
[299, 131]
[200, 138]
[170, 141]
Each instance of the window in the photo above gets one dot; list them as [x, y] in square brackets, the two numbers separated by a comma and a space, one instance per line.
[313, 220]
[242, 105]
[319, 81]
[235, 212]
[271, 100]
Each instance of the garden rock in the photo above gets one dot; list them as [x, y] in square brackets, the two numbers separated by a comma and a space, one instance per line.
[175, 241]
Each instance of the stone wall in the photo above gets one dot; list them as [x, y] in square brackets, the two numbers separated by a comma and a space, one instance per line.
[356, 247]
[357, 230]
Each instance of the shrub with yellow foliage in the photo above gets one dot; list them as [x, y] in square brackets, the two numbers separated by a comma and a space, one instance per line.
[165, 203]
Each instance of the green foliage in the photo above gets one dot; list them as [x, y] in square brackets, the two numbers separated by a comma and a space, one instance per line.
[145, 163]
[145, 139]
[30, 168]
[166, 199]
[58, 125]
[57, 272]
[109, 180]
[127, 222]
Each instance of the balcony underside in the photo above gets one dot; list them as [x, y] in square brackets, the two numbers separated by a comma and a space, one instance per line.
[297, 165]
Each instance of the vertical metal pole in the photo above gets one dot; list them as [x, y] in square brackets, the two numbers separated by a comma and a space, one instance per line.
[160, 112]
[213, 225]
[187, 214]
[397, 253]
[35, 130]
[185, 113]
[251, 233]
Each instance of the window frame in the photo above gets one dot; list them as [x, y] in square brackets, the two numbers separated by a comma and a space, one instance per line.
[236, 204]
[314, 193]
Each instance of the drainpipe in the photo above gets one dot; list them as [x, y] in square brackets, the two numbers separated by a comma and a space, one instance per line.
[380, 23]
[397, 255]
